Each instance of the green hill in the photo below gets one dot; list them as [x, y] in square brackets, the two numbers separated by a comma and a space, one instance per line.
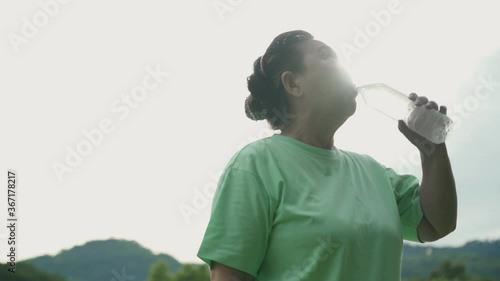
[481, 258]
[103, 260]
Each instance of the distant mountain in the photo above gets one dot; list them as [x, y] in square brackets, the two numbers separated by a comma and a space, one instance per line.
[103, 260]
[482, 258]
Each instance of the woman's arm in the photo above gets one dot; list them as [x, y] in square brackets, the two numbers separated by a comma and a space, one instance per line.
[438, 196]
[220, 272]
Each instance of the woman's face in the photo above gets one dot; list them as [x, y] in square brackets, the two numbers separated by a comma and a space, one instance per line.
[325, 84]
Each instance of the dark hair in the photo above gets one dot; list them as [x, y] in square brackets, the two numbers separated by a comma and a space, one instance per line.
[268, 99]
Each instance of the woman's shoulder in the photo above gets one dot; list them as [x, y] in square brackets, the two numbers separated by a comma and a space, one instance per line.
[251, 153]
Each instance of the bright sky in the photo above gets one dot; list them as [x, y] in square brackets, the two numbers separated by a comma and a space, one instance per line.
[83, 67]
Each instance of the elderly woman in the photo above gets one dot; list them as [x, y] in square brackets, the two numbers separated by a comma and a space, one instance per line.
[295, 207]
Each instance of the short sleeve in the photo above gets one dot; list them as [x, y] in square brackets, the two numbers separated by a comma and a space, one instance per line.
[407, 193]
[240, 223]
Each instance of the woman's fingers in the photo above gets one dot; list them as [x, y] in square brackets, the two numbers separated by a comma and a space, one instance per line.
[421, 100]
[432, 105]
[428, 104]
[443, 109]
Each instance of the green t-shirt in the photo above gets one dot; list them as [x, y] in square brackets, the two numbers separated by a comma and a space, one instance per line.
[286, 210]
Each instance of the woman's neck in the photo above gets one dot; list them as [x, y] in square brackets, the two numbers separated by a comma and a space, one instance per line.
[313, 131]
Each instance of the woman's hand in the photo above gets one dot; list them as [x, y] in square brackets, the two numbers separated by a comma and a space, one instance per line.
[425, 146]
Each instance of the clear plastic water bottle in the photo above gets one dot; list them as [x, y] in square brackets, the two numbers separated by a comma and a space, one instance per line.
[431, 124]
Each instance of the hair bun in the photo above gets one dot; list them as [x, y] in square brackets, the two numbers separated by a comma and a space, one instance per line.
[257, 104]
[254, 109]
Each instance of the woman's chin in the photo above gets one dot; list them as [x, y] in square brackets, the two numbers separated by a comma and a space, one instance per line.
[351, 108]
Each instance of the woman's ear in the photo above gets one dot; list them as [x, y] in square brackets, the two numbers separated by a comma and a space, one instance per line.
[291, 83]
